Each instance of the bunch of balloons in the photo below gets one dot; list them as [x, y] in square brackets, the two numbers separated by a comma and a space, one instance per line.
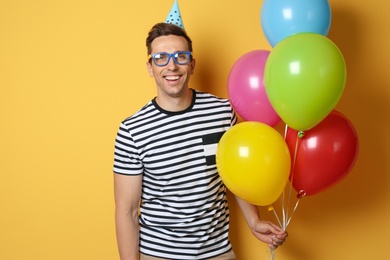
[299, 82]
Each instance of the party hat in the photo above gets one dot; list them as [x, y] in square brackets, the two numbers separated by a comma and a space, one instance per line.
[174, 16]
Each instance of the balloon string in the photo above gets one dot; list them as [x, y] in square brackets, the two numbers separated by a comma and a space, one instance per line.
[284, 215]
[292, 180]
[277, 217]
[285, 131]
[286, 218]
[272, 251]
[285, 211]
[283, 194]
[292, 213]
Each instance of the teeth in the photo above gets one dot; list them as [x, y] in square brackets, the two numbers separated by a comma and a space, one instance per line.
[172, 77]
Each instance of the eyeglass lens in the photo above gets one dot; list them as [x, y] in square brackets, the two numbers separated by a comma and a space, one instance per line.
[181, 58]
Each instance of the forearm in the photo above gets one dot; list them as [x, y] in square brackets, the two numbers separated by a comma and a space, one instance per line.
[265, 231]
[249, 211]
[127, 233]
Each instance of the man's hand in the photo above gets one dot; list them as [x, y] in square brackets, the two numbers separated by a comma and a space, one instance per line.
[269, 233]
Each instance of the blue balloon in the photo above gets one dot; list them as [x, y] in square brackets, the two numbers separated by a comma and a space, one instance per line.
[283, 18]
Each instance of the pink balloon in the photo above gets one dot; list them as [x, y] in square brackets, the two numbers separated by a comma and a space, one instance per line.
[246, 89]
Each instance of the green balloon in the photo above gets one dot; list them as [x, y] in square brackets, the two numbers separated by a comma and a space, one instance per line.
[304, 78]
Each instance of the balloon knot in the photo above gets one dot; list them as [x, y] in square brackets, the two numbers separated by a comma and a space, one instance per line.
[301, 134]
[301, 194]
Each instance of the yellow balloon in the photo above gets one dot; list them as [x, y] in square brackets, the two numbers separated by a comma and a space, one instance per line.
[254, 162]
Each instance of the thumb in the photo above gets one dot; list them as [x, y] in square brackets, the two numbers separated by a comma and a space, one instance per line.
[274, 228]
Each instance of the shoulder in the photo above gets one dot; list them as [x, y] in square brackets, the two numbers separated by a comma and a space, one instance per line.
[208, 97]
[140, 115]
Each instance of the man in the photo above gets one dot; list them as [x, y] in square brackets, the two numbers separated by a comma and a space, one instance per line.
[165, 163]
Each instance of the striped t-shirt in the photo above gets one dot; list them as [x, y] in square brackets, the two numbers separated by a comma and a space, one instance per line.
[184, 212]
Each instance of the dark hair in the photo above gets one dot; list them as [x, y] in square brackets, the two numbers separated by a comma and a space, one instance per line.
[165, 29]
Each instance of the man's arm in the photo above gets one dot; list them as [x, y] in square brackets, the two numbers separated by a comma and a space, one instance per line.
[265, 231]
[127, 192]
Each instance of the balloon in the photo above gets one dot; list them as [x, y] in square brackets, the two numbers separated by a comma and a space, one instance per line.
[304, 78]
[254, 162]
[324, 155]
[283, 18]
[246, 89]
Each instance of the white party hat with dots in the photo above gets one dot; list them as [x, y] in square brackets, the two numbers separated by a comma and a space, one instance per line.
[174, 16]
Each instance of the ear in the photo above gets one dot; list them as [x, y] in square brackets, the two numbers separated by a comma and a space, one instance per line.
[193, 62]
[149, 68]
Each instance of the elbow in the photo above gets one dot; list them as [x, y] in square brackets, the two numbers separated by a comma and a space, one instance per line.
[126, 212]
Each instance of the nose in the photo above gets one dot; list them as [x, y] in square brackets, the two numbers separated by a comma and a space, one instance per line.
[172, 65]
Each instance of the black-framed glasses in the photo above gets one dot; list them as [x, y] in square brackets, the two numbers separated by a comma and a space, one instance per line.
[163, 58]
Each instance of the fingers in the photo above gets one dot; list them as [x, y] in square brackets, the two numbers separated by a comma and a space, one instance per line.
[274, 228]
[279, 234]
[270, 233]
[276, 241]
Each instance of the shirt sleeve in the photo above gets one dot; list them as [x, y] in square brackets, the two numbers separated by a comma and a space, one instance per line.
[126, 155]
[234, 117]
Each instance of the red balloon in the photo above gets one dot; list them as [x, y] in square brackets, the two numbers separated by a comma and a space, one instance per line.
[324, 155]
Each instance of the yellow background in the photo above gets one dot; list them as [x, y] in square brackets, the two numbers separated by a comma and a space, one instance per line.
[70, 71]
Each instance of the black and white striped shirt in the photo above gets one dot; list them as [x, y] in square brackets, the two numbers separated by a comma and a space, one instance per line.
[184, 212]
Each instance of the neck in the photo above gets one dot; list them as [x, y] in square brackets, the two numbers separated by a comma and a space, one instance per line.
[174, 104]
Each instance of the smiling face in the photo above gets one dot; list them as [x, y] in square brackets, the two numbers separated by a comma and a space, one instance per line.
[172, 79]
